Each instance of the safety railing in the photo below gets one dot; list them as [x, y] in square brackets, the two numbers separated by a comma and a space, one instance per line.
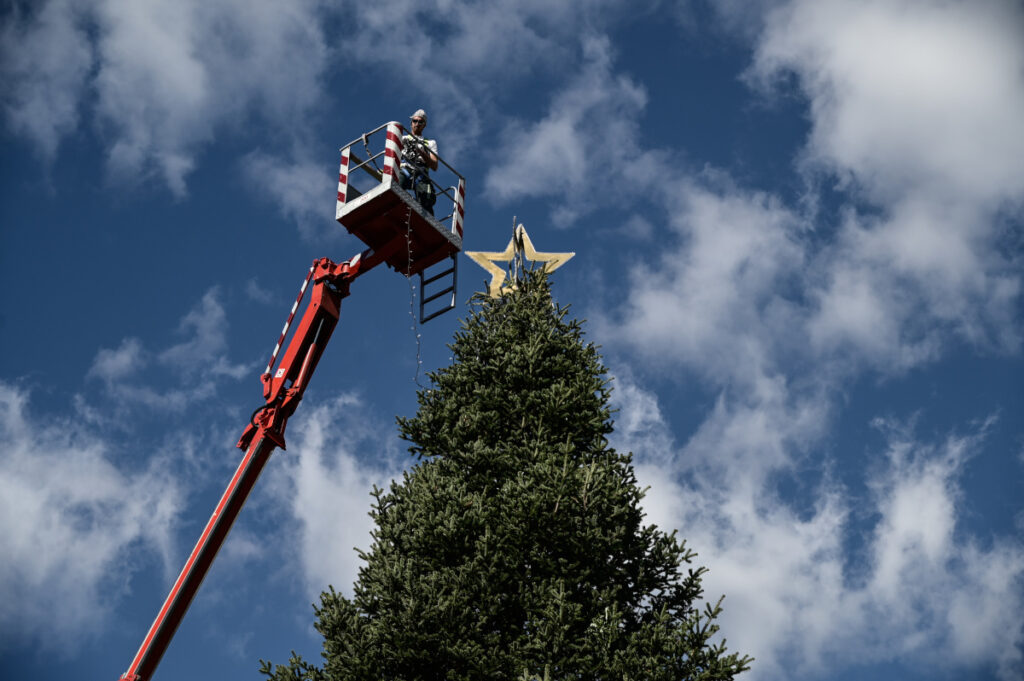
[378, 154]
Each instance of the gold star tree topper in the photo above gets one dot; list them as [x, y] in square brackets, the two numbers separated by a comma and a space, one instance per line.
[519, 248]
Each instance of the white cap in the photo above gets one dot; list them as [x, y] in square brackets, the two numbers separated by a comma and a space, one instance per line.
[420, 113]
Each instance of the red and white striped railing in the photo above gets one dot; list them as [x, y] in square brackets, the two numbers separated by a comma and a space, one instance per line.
[288, 323]
[346, 155]
[389, 174]
[392, 154]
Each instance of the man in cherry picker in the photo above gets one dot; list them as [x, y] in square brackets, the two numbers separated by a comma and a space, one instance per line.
[419, 157]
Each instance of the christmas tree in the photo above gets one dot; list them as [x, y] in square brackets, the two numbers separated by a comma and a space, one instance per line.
[515, 548]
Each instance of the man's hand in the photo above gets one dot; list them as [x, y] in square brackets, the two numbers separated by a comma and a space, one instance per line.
[413, 150]
[416, 151]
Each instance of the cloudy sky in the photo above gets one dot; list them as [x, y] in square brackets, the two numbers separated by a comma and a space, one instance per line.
[799, 228]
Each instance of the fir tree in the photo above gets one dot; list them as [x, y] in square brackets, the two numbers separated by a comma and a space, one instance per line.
[515, 548]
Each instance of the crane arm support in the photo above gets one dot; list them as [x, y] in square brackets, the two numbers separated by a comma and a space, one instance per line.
[283, 391]
[192, 574]
[283, 388]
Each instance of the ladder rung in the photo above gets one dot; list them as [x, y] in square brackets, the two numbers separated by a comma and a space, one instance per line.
[430, 316]
[437, 276]
[438, 294]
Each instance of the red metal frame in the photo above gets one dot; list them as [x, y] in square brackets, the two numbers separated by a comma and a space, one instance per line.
[282, 391]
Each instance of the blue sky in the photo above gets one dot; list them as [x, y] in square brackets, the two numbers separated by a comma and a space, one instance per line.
[798, 228]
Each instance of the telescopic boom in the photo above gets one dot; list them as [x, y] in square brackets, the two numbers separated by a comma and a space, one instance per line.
[282, 391]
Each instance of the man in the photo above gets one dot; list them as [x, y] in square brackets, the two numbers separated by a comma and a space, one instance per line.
[419, 157]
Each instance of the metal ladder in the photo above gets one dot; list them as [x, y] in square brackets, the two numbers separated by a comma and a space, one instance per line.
[447, 279]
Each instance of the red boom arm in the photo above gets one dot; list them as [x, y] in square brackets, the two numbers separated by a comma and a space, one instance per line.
[283, 391]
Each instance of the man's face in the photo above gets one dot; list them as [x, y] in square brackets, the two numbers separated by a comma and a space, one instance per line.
[417, 125]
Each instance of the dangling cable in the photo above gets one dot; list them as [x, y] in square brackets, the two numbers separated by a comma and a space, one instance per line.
[414, 326]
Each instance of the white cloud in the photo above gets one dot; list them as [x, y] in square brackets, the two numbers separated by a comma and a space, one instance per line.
[777, 311]
[119, 370]
[116, 365]
[639, 421]
[303, 191]
[467, 47]
[996, 572]
[163, 78]
[743, 290]
[45, 59]
[70, 523]
[166, 75]
[256, 292]
[715, 299]
[204, 352]
[640, 427]
[926, 176]
[326, 480]
[918, 108]
[795, 599]
[591, 126]
[206, 348]
[891, 292]
[908, 97]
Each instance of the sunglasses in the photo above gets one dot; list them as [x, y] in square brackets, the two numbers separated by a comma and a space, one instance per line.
[417, 120]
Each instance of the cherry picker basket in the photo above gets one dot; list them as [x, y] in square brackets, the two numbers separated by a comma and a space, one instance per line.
[388, 218]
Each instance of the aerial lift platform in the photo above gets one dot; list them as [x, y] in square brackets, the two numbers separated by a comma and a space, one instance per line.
[399, 233]
[391, 221]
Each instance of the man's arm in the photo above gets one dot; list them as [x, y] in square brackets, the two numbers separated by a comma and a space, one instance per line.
[431, 149]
